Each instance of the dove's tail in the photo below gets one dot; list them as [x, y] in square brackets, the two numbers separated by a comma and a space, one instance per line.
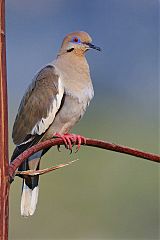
[29, 197]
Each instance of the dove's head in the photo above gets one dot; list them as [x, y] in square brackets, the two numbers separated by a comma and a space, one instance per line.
[77, 43]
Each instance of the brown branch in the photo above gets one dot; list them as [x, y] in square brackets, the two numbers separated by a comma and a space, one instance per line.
[46, 170]
[4, 164]
[89, 142]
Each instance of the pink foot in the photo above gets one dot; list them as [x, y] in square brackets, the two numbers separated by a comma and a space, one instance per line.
[79, 140]
[71, 139]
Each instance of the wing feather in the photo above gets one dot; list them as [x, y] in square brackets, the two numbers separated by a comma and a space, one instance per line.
[39, 105]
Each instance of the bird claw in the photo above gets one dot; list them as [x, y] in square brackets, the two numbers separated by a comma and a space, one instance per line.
[58, 148]
[66, 139]
[71, 139]
[80, 140]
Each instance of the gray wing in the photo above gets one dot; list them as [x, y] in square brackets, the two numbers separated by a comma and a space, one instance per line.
[39, 106]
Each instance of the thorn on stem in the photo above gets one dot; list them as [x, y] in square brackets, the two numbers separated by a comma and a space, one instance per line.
[2, 33]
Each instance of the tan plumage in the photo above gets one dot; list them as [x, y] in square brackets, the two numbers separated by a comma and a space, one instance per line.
[53, 103]
[35, 104]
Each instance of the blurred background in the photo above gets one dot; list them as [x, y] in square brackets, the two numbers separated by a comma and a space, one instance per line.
[104, 195]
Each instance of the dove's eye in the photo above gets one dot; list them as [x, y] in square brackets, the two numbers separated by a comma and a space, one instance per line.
[76, 40]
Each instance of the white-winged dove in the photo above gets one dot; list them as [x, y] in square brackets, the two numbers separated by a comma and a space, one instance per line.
[55, 100]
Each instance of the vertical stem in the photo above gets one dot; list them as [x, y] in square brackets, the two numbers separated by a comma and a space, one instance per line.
[4, 185]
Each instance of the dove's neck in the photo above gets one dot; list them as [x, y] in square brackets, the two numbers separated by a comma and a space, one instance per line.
[75, 74]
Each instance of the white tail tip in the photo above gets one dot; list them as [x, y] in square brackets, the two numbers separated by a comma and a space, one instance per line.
[29, 200]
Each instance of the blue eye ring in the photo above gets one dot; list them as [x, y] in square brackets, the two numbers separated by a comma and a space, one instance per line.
[76, 40]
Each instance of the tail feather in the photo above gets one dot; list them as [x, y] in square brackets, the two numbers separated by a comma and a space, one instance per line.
[29, 200]
[34, 200]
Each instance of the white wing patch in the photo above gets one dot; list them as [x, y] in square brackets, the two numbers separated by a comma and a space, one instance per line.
[44, 123]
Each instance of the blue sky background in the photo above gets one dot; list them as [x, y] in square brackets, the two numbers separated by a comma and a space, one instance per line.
[108, 196]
